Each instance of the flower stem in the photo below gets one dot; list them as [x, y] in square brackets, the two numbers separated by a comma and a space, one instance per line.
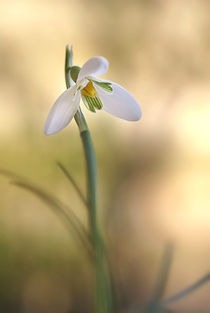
[103, 290]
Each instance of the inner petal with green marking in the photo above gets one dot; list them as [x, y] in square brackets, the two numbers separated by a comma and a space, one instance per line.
[104, 85]
[90, 96]
[92, 103]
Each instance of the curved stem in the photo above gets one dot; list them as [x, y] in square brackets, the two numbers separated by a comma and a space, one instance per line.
[103, 290]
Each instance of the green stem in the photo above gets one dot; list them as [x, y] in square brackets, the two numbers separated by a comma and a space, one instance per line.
[103, 291]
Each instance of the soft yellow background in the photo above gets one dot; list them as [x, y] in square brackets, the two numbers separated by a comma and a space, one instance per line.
[154, 175]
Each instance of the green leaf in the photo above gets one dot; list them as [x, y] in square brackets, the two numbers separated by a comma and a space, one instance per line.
[154, 304]
[72, 181]
[163, 274]
[187, 291]
[63, 211]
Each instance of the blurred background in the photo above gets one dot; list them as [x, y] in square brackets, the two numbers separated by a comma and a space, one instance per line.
[154, 175]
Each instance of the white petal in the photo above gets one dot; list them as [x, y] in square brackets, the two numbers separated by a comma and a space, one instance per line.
[94, 66]
[119, 103]
[62, 111]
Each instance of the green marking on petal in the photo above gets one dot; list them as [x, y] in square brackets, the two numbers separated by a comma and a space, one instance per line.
[88, 103]
[104, 85]
[92, 103]
[97, 103]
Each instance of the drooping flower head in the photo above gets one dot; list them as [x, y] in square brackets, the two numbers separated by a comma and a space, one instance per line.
[96, 94]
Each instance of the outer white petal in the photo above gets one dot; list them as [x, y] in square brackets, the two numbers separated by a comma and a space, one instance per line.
[94, 66]
[62, 111]
[119, 103]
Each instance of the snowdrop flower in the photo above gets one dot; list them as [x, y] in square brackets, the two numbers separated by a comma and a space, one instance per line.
[96, 94]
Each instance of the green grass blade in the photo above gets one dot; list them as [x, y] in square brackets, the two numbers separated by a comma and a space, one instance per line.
[72, 181]
[187, 291]
[63, 211]
[163, 274]
[11, 174]
[66, 215]
[153, 306]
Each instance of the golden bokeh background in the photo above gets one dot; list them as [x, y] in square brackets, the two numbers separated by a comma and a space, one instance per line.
[154, 175]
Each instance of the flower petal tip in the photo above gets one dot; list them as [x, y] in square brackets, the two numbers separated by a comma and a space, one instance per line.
[47, 132]
[93, 67]
[135, 117]
[138, 115]
[53, 128]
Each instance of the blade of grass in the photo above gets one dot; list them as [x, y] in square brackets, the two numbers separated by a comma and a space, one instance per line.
[163, 274]
[72, 181]
[153, 306]
[63, 211]
[187, 291]
[11, 174]
[66, 215]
